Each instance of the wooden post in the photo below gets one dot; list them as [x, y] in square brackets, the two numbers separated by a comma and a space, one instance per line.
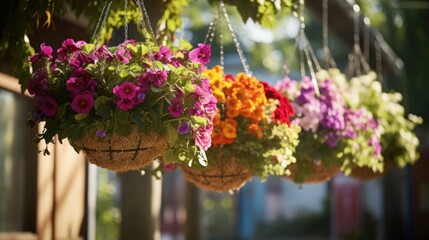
[193, 213]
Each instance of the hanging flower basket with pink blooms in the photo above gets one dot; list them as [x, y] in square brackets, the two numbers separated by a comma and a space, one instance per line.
[125, 105]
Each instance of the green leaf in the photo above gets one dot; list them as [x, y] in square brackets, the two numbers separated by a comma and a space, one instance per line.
[91, 68]
[124, 129]
[137, 118]
[132, 48]
[103, 111]
[202, 121]
[169, 156]
[123, 73]
[189, 87]
[135, 68]
[100, 101]
[173, 135]
[80, 116]
[88, 48]
[155, 89]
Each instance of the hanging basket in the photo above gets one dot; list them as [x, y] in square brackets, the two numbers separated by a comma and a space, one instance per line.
[319, 172]
[123, 153]
[220, 176]
[366, 173]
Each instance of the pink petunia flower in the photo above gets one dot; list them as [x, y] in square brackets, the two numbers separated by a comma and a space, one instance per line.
[45, 52]
[48, 106]
[176, 107]
[124, 104]
[201, 54]
[82, 103]
[126, 90]
[203, 137]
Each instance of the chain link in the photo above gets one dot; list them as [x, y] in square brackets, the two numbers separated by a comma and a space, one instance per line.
[126, 20]
[140, 7]
[366, 38]
[106, 13]
[235, 40]
[104, 10]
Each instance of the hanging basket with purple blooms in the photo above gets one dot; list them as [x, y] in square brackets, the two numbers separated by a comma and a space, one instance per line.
[333, 136]
[126, 105]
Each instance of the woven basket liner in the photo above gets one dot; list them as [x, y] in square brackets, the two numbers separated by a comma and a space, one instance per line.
[124, 153]
[366, 173]
[220, 176]
[319, 172]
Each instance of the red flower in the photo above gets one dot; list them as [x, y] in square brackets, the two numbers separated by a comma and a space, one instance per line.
[284, 109]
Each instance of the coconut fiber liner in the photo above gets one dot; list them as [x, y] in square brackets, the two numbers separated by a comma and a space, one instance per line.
[220, 176]
[319, 172]
[124, 153]
[366, 173]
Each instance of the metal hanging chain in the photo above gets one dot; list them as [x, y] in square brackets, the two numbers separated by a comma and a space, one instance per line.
[101, 20]
[304, 46]
[221, 50]
[126, 20]
[212, 28]
[366, 38]
[329, 60]
[144, 29]
[378, 62]
[235, 40]
[148, 20]
[357, 61]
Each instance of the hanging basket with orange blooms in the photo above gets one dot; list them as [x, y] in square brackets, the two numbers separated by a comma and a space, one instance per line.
[252, 134]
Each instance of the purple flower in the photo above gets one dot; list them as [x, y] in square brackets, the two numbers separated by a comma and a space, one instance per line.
[331, 140]
[375, 142]
[48, 106]
[82, 103]
[176, 107]
[126, 90]
[140, 96]
[201, 54]
[197, 110]
[124, 104]
[100, 133]
[184, 128]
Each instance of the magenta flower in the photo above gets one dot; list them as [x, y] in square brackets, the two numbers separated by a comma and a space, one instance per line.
[202, 95]
[80, 59]
[169, 167]
[124, 104]
[68, 47]
[176, 107]
[101, 52]
[184, 128]
[37, 84]
[126, 90]
[156, 78]
[80, 82]
[201, 54]
[45, 52]
[123, 55]
[163, 53]
[82, 103]
[48, 106]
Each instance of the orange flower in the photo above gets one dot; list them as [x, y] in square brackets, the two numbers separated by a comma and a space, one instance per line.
[216, 120]
[247, 109]
[232, 113]
[231, 121]
[233, 103]
[229, 131]
[258, 114]
[255, 130]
